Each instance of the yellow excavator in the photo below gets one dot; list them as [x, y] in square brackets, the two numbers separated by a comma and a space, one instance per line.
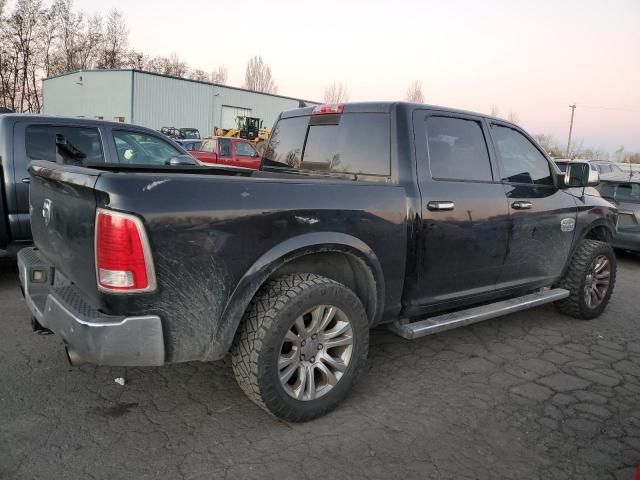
[249, 128]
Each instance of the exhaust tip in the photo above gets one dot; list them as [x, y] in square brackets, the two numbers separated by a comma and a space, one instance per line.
[73, 357]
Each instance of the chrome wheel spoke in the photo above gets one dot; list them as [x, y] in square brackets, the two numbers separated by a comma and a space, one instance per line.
[315, 352]
[288, 371]
[597, 281]
[342, 341]
[328, 374]
[329, 315]
[335, 363]
[340, 329]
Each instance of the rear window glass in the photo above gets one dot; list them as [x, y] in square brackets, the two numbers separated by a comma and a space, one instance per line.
[357, 144]
[76, 145]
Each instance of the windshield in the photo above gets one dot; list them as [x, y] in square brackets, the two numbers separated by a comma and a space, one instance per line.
[621, 192]
[190, 133]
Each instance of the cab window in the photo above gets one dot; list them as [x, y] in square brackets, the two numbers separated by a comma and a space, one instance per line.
[143, 149]
[522, 162]
[75, 145]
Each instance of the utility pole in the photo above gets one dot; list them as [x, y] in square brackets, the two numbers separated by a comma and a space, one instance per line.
[573, 110]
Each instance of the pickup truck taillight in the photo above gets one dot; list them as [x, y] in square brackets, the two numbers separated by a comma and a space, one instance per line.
[123, 257]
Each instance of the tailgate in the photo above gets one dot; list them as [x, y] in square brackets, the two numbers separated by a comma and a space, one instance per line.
[63, 208]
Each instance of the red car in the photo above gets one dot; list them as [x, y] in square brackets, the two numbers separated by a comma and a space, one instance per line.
[228, 151]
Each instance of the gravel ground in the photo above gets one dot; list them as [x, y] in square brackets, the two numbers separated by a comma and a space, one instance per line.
[531, 395]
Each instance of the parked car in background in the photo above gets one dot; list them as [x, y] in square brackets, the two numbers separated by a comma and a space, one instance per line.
[181, 133]
[190, 145]
[236, 152]
[77, 141]
[600, 166]
[421, 218]
[624, 190]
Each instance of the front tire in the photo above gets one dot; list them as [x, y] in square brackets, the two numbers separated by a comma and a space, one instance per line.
[590, 279]
[302, 343]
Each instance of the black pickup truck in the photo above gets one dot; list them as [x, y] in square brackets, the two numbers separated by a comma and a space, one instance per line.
[421, 218]
[26, 137]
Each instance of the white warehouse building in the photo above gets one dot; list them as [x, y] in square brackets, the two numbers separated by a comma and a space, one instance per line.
[154, 100]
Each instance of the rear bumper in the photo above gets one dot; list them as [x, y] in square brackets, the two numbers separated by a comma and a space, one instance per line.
[88, 334]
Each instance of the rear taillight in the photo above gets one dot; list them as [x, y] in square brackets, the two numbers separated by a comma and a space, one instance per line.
[123, 258]
[327, 109]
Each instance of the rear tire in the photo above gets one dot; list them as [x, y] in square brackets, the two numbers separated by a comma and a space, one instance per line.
[590, 279]
[280, 345]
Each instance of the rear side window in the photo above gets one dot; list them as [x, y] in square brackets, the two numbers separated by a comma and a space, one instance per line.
[353, 143]
[76, 145]
[522, 161]
[245, 149]
[457, 149]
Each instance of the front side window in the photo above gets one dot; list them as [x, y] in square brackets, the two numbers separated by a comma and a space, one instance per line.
[457, 149]
[245, 150]
[75, 145]
[143, 149]
[521, 160]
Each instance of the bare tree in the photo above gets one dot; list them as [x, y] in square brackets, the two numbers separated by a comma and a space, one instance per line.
[199, 74]
[337, 92]
[137, 60]
[220, 75]
[258, 77]
[171, 65]
[495, 111]
[114, 48]
[513, 117]
[414, 93]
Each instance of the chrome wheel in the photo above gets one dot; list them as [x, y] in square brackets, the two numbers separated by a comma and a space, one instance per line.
[596, 284]
[315, 352]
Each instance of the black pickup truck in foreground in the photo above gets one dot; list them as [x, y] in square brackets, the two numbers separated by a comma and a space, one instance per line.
[422, 218]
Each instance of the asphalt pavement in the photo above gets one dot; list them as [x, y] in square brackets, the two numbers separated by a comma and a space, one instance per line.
[532, 395]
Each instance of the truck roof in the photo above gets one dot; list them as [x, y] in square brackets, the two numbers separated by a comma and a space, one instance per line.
[12, 117]
[387, 107]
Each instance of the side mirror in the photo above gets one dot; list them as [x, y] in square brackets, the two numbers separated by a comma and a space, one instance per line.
[182, 160]
[580, 175]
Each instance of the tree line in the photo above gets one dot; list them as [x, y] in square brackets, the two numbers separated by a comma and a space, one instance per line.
[40, 40]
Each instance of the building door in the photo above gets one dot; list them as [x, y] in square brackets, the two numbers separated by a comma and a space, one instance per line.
[229, 114]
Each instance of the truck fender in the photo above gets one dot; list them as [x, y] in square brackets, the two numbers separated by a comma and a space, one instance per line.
[272, 260]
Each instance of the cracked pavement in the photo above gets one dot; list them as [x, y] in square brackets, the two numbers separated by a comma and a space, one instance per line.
[531, 395]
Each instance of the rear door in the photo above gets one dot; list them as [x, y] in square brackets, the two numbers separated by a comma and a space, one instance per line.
[464, 232]
[37, 141]
[542, 216]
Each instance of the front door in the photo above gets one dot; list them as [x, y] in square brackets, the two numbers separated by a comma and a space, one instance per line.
[463, 240]
[542, 216]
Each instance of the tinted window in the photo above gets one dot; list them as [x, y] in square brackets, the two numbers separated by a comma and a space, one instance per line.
[245, 149]
[140, 148]
[82, 145]
[225, 147]
[457, 149]
[356, 143]
[521, 160]
[286, 142]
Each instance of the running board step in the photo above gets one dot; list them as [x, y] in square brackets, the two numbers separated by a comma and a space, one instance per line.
[447, 321]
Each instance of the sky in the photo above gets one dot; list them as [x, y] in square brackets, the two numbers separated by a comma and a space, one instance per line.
[530, 57]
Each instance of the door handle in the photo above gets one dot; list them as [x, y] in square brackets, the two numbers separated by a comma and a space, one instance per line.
[521, 205]
[26, 180]
[440, 206]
